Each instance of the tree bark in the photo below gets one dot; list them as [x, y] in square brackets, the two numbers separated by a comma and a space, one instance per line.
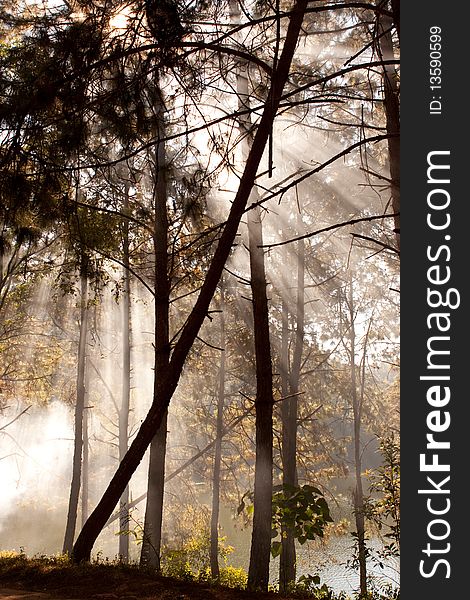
[214, 535]
[126, 382]
[86, 455]
[287, 558]
[357, 415]
[287, 566]
[79, 408]
[392, 113]
[260, 554]
[258, 572]
[151, 543]
[188, 463]
[396, 16]
[96, 521]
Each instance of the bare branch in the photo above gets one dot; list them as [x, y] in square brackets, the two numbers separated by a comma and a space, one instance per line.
[16, 418]
[330, 228]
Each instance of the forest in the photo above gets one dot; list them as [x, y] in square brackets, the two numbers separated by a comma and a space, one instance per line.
[199, 292]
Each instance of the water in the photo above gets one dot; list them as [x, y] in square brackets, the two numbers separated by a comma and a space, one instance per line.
[328, 559]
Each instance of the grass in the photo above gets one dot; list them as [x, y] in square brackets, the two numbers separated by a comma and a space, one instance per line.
[59, 577]
[106, 580]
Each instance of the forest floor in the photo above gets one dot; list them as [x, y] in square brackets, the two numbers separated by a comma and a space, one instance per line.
[38, 579]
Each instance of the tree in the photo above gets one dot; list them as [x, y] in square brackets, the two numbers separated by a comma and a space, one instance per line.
[385, 51]
[287, 567]
[384, 508]
[258, 573]
[151, 542]
[214, 533]
[109, 61]
[99, 516]
[126, 375]
[357, 401]
[79, 409]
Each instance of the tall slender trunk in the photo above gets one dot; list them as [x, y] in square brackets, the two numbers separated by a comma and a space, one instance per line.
[214, 539]
[392, 112]
[357, 415]
[126, 381]
[151, 544]
[287, 557]
[93, 526]
[79, 408]
[287, 567]
[258, 572]
[86, 454]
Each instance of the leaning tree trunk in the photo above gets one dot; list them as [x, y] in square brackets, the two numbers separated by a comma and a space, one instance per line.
[357, 415]
[151, 543]
[214, 534]
[86, 539]
[287, 566]
[79, 408]
[126, 382]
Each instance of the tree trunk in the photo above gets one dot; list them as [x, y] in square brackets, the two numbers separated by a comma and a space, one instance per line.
[214, 541]
[126, 383]
[151, 423]
[258, 572]
[188, 463]
[287, 558]
[287, 566]
[151, 543]
[392, 113]
[79, 408]
[357, 414]
[86, 456]
[396, 16]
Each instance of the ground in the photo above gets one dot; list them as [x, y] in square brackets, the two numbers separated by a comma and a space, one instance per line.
[44, 579]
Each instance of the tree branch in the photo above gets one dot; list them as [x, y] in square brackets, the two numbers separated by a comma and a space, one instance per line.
[330, 228]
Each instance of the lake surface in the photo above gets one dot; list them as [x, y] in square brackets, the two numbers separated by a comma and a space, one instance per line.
[328, 559]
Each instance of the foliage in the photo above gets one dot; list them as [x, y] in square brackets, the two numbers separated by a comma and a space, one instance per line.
[380, 590]
[75, 91]
[308, 586]
[302, 508]
[15, 563]
[230, 576]
[186, 555]
[384, 510]
[57, 572]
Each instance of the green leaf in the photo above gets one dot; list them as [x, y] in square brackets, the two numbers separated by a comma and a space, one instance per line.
[276, 548]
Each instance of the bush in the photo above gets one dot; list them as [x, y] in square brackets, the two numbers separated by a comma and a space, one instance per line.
[308, 586]
[231, 577]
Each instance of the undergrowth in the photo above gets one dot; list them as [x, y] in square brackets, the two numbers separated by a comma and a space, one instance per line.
[59, 572]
